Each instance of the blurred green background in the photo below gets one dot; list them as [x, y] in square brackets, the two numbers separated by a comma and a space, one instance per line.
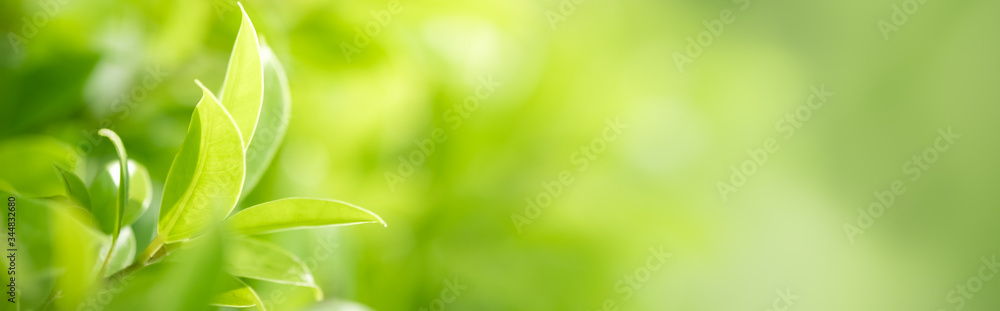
[563, 70]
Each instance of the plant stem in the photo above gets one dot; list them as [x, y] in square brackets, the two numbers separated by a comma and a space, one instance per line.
[150, 251]
[154, 252]
[107, 260]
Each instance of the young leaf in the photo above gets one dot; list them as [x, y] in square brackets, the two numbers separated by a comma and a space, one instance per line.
[294, 213]
[236, 294]
[256, 259]
[104, 193]
[273, 121]
[243, 86]
[122, 176]
[206, 176]
[75, 189]
[124, 251]
[104, 198]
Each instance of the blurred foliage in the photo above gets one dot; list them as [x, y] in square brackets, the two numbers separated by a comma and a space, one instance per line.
[128, 66]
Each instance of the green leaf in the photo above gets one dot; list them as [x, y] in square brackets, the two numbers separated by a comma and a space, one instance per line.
[56, 241]
[243, 86]
[256, 259]
[206, 176]
[27, 165]
[236, 294]
[75, 251]
[295, 213]
[104, 194]
[124, 252]
[273, 121]
[6, 187]
[182, 281]
[75, 189]
[122, 175]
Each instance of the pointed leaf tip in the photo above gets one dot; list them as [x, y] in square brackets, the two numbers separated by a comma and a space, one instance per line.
[298, 213]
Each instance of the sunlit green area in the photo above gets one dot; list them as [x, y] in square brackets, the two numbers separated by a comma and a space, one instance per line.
[534, 155]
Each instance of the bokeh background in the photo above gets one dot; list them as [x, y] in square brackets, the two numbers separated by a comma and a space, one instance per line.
[654, 186]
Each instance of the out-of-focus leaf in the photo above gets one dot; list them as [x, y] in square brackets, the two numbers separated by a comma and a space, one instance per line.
[184, 282]
[35, 258]
[235, 293]
[76, 190]
[205, 178]
[295, 213]
[75, 245]
[273, 121]
[7, 188]
[256, 259]
[124, 252]
[104, 195]
[27, 165]
[243, 87]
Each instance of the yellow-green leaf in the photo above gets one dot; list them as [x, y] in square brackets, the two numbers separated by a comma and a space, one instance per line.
[273, 121]
[256, 259]
[205, 178]
[295, 213]
[236, 294]
[243, 86]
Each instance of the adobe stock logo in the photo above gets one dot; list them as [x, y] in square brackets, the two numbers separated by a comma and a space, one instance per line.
[565, 9]
[758, 157]
[631, 283]
[784, 301]
[884, 199]
[363, 37]
[451, 291]
[552, 189]
[30, 27]
[965, 291]
[704, 39]
[455, 117]
[121, 107]
[900, 15]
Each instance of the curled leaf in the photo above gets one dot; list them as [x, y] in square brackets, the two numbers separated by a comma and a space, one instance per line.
[122, 176]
